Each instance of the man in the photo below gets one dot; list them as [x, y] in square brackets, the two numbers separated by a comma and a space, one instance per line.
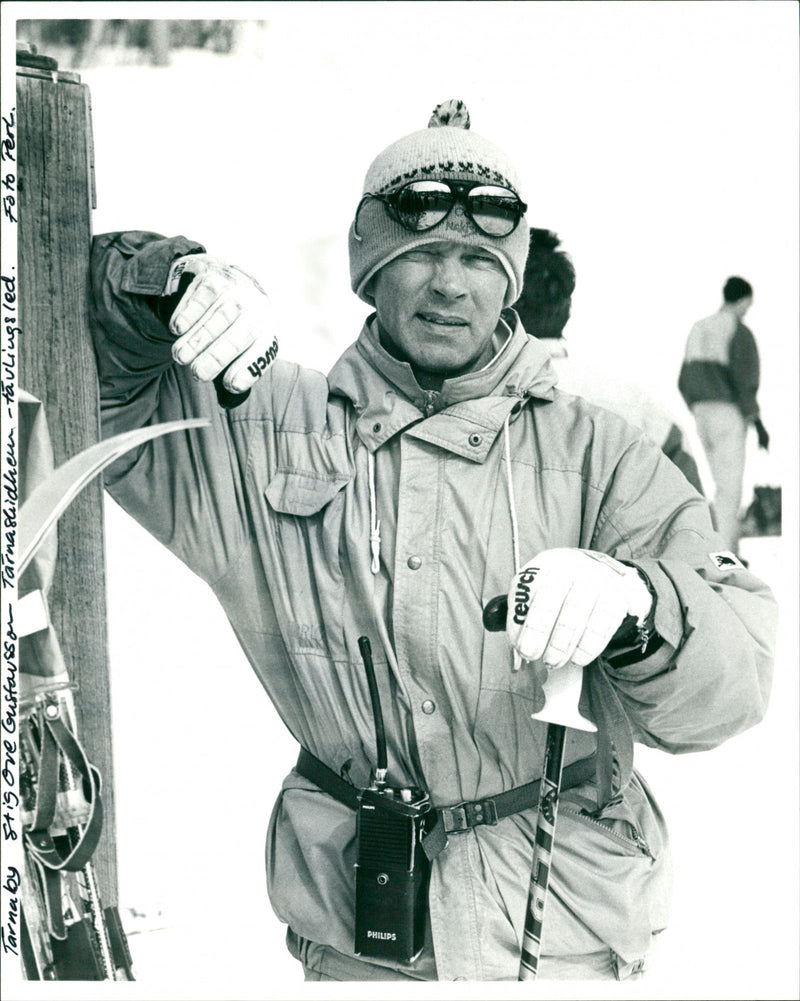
[433, 469]
[719, 382]
[544, 308]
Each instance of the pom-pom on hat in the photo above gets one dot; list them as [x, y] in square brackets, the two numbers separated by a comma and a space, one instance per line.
[446, 150]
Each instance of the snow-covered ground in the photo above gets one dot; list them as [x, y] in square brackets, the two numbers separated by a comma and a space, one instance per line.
[659, 141]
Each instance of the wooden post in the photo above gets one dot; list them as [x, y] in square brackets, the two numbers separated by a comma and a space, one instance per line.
[56, 364]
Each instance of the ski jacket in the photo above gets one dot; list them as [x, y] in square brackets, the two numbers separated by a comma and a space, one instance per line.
[629, 400]
[721, 364]
[325, 509]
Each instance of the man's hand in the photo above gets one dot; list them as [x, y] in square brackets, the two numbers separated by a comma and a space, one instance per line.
[763, 436]
[565, 605]
[224, 322]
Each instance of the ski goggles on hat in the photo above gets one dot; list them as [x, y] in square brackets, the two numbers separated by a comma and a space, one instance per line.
[422, 205]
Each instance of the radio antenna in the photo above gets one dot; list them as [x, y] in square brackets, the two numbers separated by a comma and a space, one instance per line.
[380, 733]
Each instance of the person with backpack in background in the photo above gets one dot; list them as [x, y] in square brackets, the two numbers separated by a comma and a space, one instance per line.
[719, 381]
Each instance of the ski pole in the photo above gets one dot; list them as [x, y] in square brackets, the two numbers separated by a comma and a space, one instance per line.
[542, 851]
[565, 685]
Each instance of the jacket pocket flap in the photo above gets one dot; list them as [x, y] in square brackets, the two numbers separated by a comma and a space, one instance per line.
[302, 494]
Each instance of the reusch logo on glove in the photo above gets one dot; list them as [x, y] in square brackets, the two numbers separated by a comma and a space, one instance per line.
[522, 594]
[263, 361]
[174, 277]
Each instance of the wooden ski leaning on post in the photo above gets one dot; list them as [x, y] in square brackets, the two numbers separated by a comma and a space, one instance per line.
[66, 931]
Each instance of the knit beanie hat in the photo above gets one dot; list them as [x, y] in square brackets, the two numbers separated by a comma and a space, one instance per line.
[446, 150]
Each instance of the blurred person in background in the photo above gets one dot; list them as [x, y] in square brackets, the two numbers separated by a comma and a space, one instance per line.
[544, 308]
[435, 467]
[719, 381]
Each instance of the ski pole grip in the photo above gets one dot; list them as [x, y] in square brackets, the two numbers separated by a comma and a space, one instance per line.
[496, 612]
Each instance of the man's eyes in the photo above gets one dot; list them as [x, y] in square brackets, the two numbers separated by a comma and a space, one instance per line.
[482, 259]
[470, 259]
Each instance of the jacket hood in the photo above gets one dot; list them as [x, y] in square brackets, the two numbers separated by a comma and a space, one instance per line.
[387, 396]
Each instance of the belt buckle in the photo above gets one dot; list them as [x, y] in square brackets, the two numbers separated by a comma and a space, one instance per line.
[454, 819]
[460, 818]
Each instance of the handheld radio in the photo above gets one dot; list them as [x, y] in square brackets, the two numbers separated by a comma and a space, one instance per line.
[392, 871]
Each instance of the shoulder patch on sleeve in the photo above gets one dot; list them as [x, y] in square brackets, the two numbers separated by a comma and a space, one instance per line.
[725, 560]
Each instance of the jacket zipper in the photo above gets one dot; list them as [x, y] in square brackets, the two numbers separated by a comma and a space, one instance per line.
[635, 841]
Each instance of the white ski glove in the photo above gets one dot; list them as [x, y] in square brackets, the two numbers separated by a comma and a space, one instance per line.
[223, 322]
[565, 605]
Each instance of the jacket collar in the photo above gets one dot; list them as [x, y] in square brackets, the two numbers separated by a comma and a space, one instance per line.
[468, 412]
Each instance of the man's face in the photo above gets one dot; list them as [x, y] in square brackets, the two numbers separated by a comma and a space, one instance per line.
[438, 306]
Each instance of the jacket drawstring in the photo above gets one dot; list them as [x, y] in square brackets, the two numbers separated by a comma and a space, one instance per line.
[374, 522]
[512, 507]
[512, 510]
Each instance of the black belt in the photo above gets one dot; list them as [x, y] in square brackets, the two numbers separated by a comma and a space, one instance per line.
[449, 819]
